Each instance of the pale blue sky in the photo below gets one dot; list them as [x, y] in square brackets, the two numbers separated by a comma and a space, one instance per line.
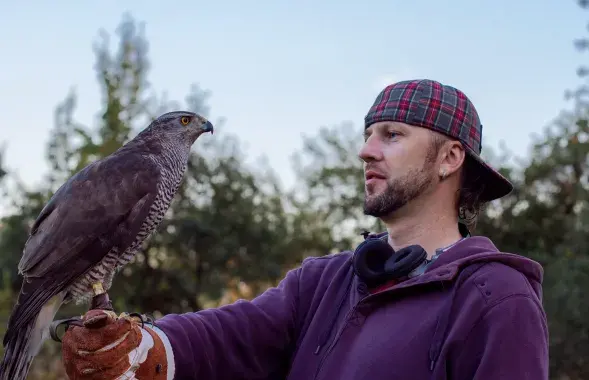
[278, 69]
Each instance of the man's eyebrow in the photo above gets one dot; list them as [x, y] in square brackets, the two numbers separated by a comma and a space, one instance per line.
[385, 127]
[397, 127]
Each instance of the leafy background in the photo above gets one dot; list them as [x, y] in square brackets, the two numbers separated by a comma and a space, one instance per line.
[232, 231]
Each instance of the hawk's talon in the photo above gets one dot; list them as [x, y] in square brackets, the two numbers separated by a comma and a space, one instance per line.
[74, 321]
[78, 321]
[110, 313]
[142, 318]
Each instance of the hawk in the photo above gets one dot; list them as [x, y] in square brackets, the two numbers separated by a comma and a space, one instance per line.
[92, 226]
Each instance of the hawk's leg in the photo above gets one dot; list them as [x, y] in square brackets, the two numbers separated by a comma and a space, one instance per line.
[100, 300]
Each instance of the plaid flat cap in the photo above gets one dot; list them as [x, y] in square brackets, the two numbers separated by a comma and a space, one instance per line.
[445, 109]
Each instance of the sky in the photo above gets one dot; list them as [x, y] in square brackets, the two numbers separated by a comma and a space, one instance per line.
[280, 69]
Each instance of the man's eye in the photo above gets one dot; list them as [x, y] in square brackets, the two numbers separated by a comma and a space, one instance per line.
[393, 134]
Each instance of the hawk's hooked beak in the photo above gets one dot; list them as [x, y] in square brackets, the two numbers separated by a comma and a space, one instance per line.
[208, 127]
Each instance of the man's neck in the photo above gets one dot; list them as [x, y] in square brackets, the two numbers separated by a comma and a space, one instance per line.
[431, 230]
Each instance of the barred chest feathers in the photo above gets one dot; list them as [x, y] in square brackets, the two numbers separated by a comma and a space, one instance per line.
[172, 168]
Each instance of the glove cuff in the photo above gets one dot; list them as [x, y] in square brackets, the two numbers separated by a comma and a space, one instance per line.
[153, 358]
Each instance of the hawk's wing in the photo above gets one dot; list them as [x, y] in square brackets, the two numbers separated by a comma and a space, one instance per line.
[102, 206]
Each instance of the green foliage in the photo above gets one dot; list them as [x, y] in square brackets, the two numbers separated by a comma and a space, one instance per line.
[227, 229]
[332, 186]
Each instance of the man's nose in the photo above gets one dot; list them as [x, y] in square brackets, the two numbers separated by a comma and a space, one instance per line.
[371, 150]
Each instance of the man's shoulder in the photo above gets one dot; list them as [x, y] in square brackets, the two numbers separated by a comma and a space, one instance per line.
[498, 280]
[331, 257]
[318, 273]
[498, 294]
[330, 262]
[499, 274]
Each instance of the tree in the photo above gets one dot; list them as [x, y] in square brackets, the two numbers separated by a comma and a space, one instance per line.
[331, 184]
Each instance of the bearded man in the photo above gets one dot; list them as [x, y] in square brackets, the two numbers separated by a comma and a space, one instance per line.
[423, 300]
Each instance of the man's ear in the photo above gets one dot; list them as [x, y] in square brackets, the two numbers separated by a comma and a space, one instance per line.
[453, 155]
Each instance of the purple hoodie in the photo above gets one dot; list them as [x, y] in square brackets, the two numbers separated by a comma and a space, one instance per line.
[476, 313]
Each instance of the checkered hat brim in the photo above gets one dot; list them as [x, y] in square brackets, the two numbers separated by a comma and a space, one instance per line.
[445, 109]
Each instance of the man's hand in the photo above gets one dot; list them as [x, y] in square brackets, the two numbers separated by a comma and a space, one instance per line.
[111, 347]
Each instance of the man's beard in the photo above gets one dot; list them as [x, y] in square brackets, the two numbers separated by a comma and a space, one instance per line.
[400, 191]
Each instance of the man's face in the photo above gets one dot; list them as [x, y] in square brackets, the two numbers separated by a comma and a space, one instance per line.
[399, 166]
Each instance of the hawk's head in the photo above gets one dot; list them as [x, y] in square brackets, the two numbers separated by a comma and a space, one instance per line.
[184, 125]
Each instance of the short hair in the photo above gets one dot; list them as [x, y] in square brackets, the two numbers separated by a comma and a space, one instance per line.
[468, 200]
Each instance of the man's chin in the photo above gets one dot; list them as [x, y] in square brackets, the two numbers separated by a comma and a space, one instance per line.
[379, 205]
[375, 212]
[372, 205]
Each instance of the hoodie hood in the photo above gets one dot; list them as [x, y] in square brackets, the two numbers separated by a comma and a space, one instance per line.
[480, 249]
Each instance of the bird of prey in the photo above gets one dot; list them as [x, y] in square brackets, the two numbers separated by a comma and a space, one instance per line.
[92, 226]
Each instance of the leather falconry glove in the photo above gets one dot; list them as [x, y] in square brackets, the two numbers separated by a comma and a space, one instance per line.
[111, 347]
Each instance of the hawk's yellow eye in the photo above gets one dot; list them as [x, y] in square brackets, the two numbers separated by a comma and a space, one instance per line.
[185, 120]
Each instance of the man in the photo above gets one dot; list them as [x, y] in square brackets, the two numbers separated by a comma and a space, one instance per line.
[445, 305]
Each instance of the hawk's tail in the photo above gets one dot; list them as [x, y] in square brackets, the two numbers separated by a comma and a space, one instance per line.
[24, 344]
[17, 355]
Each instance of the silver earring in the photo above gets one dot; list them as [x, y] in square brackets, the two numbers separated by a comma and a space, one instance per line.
[443, 174]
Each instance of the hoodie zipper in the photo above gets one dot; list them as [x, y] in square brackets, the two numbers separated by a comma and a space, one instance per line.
[337, 336]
